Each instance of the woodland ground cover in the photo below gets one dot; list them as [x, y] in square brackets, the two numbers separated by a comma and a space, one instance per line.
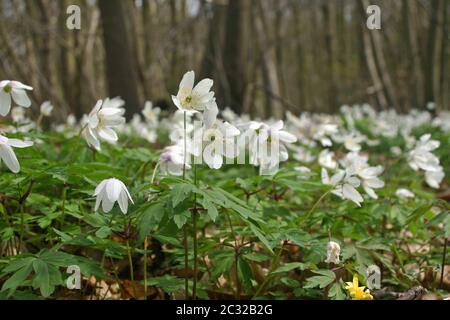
[350, 199]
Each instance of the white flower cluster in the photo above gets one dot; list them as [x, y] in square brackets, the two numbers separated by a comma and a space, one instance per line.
[215, 139]
[354, 172]
[12, 91]
[101, 121]
[421, 158]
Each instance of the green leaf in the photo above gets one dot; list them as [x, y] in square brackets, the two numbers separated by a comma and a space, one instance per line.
[417, 213]
[261, 237]
[180, 192]
[103, 232]
[324, 279]
[181, 219]
[257, 257]
[58, 259]
[167, 239]
[336, 292]
[149, 219]
[19, 277]
[18, 263]
[211, 208]
[245, 273]
[288, 267]
[42, 278]
[167, 283]
[447, 226]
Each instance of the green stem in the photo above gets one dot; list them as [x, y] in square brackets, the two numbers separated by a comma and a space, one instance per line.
[186, 263]
[194, 223]
[194, 285]
[145, 267]
[316, 204]
[130, 261]
[441, 282]
[236, 258]
[22, 227]
[185, 242]
[275, 263]
[185, 146]
[154, 172]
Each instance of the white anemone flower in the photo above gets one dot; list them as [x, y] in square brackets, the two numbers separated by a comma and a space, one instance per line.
[105, 116]
[267, 145]
[434, 178]
[210, 113]
[404, 193]
[190, 98]
[7, 153]
[46, 108]
[345, 184]
[215, 143]
[333, 252]
[18, 114]
[368, 175]
[352, 142]
[326, 159]
[108, 192]
[420, 157]
[13, 90]
[151, 113]
[172, 160]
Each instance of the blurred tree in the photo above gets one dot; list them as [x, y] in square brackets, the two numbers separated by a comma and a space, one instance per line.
[120, 62]
[233, 54]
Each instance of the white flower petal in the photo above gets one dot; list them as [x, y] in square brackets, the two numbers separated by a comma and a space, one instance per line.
[113, 189]
[188, 81]
[9, 157]
[20, 97]
[350, 193]
[5, 103]
[123, 202]
[19, 143]
[202, 88]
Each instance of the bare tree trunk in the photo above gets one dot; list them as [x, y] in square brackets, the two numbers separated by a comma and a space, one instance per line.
[120, 63]
[443, 81]
[377, 85]
[414, 63]
[234, 55]
[300, 66]
[384, 70]
[269, 69]
[430, 63]
[331, 54]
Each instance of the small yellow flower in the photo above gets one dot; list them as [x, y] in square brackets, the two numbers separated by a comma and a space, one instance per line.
[356, 292]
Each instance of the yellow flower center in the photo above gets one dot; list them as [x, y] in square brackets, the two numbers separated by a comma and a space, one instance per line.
[7, 89]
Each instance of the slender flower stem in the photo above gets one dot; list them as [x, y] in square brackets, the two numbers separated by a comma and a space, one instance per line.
[130, 260]
[185, 242]
[185, 146]
[316, 204]
[236, 259]
[145, 267]
[39, 121]
[275, 263]
[154, 172]
[194, 223]
[186, 263]
[22, 227]
[441, 282]
[194, 285]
